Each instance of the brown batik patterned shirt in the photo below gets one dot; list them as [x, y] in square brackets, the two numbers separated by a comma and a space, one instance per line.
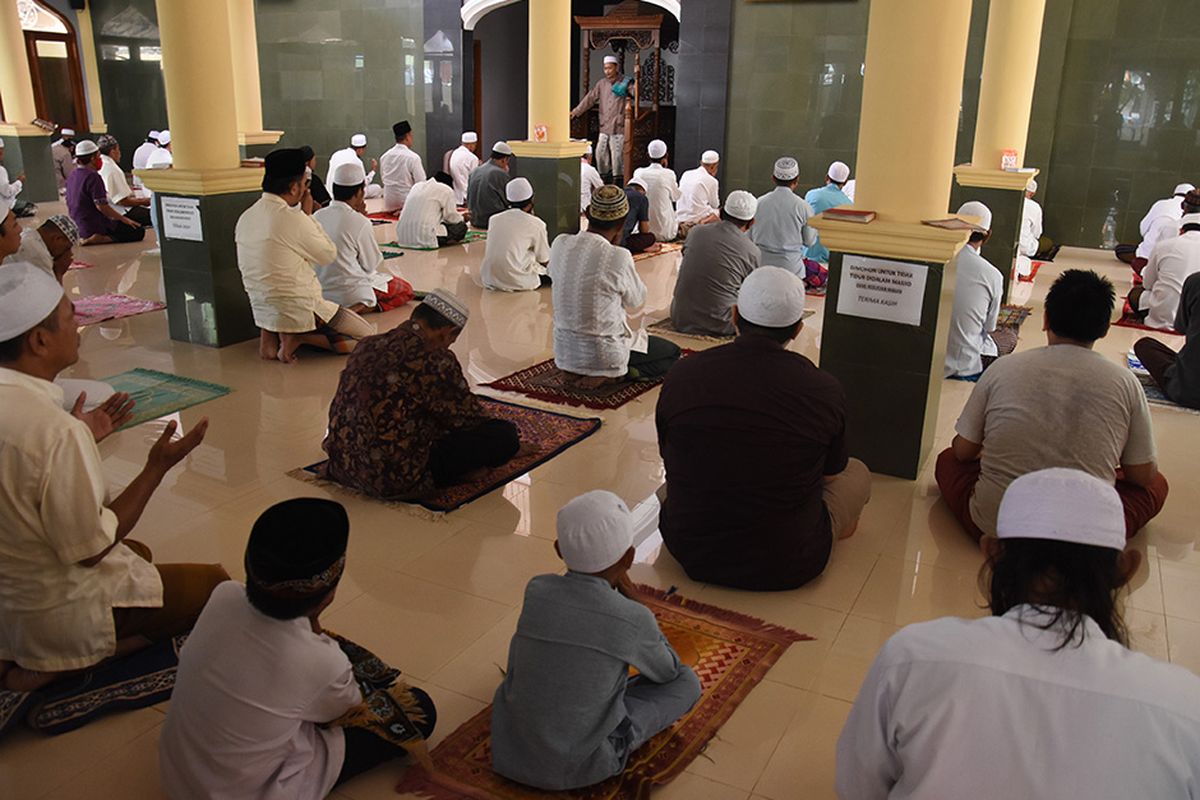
[395, 399]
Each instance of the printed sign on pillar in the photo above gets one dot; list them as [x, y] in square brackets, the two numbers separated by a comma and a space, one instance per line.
[876, 288]
[541, 133]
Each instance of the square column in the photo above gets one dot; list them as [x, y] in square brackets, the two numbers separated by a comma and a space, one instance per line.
[553, 169]
[1004, 194]
[27, 150]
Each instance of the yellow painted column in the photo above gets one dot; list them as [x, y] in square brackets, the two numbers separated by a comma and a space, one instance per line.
[1010, 57]
[198, 75]
[91, 68]
[912, 91]
[16, 84]
[247, 91]
[550, 68]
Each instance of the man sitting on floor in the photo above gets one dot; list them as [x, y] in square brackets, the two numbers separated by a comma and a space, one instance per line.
[781, 228]
[1048, 678]
[716, 259]
[823, 198]
[400, 168]
[1064, 405]
[353, 280]
[567, 714]
[430, 218]
[1174, 259]
[975, 341]
[358, 146]
[1167, 207]
[485, 189]
[754, 421]
[594, 283]
[636, 236]
[1031, 232]
[517, 245]
[87, 201]
[403, 423]
[662, 190]
[278, 242]
[76, 591]
[1177, 374]
[259, 681]
[1163, 228]
[50, 246]
[133, 205]
[464, 161]
[699, 194]
[589, 179]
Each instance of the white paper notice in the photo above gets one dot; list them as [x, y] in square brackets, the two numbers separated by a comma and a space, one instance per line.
[876, 288]
[181, 218]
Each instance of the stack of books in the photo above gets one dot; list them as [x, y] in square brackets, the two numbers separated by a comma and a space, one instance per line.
[849, 215]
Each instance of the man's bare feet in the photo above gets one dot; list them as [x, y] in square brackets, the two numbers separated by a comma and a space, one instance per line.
[268, 345]
[289, 343]
[96, 238]
[654, 248]
[587, 382]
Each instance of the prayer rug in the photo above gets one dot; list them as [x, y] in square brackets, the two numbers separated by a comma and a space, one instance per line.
[136, 681]
[544, 381]
[667, 328]
[1154, 395]
[553, 431]
[815, 291]
[1130, 321]
[1033, 271]
[13, 706]
[733, 653]
[668, 247]
[392, 254]
[101, 307]
[1013, 316]
[157, 394]
[384, 216]
[472, 236]
[77, 264]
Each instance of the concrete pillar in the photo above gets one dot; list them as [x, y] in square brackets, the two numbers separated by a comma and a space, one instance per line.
[16, 84]
[26, 146]
[91, 69]
[247, 88]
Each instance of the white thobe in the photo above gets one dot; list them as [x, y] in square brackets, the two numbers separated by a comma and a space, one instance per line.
[662, 189]
[353, 277]
[400, 169]
[781, 229]
[33, 250]
[593, 284]
[699, 195]
[1172, 262]
[994, 708]
[589, 181]
[978, 288]
[430, 206]
[1163, 228]
[517, 250]
[1031, 235]
[347, 156]
[462, 162]
[160, 159]
[9, 189]
[1167, 207]
[115, 183]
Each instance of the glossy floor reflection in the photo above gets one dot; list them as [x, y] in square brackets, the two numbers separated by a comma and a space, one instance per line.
[440, 599]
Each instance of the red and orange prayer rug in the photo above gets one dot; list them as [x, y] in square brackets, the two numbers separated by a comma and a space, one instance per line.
[733, 653]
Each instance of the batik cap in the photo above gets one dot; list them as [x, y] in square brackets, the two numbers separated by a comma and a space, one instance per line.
[449, 306]
[609, 203]
[594, 531]
[974, 208]
[772, 297]
[297, 548]
[67, 226]
[27, 296]
[786, 169]
[1063, 505]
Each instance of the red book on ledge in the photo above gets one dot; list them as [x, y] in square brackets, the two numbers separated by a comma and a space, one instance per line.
[849, 215]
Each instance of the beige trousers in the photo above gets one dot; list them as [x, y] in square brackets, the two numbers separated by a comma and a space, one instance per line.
[846, 494]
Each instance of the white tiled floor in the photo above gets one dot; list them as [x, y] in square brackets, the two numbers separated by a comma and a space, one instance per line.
[440, 598]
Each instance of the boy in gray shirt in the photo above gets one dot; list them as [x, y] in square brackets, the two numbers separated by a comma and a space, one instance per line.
[567, 714]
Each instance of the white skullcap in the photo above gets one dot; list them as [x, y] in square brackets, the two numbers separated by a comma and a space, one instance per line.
[164, 138]
[470, 137]
[27, 296]
[974, 208]
[839, 172]
[358, 140]
[1189, 219]
[772, 297]
[502, 148]
[589, 150]
[448, 305]
[1, 144]
[1032, 187]
[348, 173]
[67, 132]
[5, 207]
[86, 148]
[518, 190]
[594, 531]
[638, 182]
[611, 60]
[710, 157]
[657, 148]
[1184, 188]
[1064, 505]
[786, 169]
[154, 134]
[741, 205]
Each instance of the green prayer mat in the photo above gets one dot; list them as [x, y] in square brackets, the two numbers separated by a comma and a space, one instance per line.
[472, 236]
[157, 394]
[391, 254]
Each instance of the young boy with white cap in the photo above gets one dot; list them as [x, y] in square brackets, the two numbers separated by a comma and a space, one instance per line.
[662, 190]
[1043, 698]
[518, 246]
[699, 194]
[975, 342]
[567, 714]
[823, 198]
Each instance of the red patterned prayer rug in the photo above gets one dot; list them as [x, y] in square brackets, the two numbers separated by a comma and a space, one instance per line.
[100, 307]
[1129, 320]
[1013, 316]
[552, 432]
[1033, 271]
[733, 652]
[385, 216]
[544, 381]
[77, 264]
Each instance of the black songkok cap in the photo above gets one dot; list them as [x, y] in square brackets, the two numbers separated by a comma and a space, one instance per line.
[401, 129]
[288, 162]
[298, 547]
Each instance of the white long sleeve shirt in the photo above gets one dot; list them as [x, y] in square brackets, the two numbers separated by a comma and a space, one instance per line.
[115, 183]
[400, 169]
[1167, 207]
[589, 181]
[462, 162]
[9, 189]
[991, 708]
[1172, 262]
[662, 189]
[353, 277]
[430, 206]
[978, 289]
[699, 195]
[346, 156]
[516, 254]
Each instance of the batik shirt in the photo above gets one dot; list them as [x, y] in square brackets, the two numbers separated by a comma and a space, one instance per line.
[394, 400]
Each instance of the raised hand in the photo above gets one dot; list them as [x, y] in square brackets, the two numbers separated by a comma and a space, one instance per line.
[108, 416]
[167, 453]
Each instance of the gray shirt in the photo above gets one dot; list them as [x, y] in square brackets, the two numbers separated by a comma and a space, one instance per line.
[563, 696]
[485, 193]
[716, 259]
[781, 229]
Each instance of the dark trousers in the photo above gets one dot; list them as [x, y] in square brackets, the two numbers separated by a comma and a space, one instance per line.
[956, 480]
[1157, 358]
[659, 356]
[139, 214]
[365, 750]
[120, 232]
[638, 242]
[489, 444]
[455, 233]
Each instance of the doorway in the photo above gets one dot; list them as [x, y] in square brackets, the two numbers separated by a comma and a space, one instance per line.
[54, 65]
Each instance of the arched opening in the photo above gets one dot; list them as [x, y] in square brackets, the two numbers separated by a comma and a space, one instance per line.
[54, 65]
